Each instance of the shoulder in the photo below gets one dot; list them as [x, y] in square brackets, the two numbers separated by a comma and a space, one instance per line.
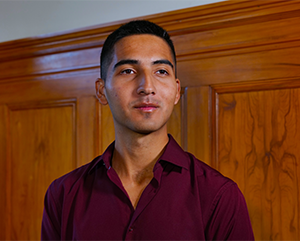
[211, 185]
[69, 181]
[208, 177]
[221, 202]
[208, 180]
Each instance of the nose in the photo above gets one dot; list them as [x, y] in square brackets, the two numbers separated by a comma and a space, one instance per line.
[146, 85]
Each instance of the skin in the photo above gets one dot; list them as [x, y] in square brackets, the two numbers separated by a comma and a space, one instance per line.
[141, 90]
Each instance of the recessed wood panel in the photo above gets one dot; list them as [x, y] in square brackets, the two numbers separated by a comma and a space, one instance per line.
[258, 147]
[197, 118]
[42, 148]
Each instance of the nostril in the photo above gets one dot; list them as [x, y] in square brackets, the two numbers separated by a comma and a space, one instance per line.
[146, 92]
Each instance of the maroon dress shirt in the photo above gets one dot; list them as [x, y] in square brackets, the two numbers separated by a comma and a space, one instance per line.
[186, 200]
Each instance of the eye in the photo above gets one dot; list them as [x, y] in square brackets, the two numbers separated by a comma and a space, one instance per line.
[127, 71]
[162, 72]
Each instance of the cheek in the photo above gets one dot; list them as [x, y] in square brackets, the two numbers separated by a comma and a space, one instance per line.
[170, 94]
[117, 92]
[113, 94]
[119, 99]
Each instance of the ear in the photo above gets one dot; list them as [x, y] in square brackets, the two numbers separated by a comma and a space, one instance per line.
[178, 90]
[100, 91]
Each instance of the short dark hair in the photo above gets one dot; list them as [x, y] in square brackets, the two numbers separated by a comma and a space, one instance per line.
[131, 28]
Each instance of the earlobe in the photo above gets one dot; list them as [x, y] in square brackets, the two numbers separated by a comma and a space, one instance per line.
[100, 91]
[178, 91]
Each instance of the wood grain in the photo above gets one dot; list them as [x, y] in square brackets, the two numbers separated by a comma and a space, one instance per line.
[258, 147]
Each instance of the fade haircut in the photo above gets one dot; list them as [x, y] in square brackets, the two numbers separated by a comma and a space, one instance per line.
[132, 28]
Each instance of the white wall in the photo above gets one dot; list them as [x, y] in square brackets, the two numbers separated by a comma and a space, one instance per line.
[27, 18]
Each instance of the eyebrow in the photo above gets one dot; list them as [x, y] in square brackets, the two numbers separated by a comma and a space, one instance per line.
[125, 61]
[133, 61]
[163, 61]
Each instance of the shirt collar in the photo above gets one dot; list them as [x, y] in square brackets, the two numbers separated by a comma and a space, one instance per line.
[105, 158]
[173, 154]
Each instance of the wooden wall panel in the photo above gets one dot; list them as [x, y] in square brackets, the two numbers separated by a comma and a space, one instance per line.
[239, 68]
[257, 145]
[42, 147]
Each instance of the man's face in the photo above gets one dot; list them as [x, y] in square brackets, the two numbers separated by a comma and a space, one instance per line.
[140, 88]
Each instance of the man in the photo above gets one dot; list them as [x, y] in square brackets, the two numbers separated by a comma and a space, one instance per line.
[144, 186]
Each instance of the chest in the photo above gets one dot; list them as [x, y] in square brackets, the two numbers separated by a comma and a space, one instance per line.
[162, 213]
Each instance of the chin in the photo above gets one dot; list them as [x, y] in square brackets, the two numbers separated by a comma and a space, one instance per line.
[147, 130]
[144, 131]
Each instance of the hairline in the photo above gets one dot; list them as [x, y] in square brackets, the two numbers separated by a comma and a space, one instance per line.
[110, 52]
[114, 47]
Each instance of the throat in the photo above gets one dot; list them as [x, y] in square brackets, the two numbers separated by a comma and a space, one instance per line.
[134, 167]
[135, 187]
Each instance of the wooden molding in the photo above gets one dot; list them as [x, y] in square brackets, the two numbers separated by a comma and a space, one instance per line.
[42, 104]
[196, 19]
[247, 86]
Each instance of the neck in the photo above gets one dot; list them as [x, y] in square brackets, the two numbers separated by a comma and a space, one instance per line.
[136, 154]
[134, 158]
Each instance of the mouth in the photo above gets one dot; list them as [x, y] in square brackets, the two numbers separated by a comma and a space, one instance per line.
[146, 107]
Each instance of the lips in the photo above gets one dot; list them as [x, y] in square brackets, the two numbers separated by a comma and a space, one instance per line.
[146, 107]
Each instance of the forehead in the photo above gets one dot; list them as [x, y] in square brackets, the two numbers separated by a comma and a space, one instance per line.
[142, 46]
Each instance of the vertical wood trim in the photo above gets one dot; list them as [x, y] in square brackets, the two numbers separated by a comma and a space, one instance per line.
[107, 127]
[75, 134]
[210, 124]
[198, 127]
[3, 182]
[88, 128]
[184, 130]
[98, 128]
[8, 176]
[214, 129]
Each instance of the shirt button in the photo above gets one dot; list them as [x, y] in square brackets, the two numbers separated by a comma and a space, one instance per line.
[130, 229]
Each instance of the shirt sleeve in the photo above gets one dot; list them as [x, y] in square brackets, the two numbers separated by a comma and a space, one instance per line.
[51, 222]
[229, 216]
